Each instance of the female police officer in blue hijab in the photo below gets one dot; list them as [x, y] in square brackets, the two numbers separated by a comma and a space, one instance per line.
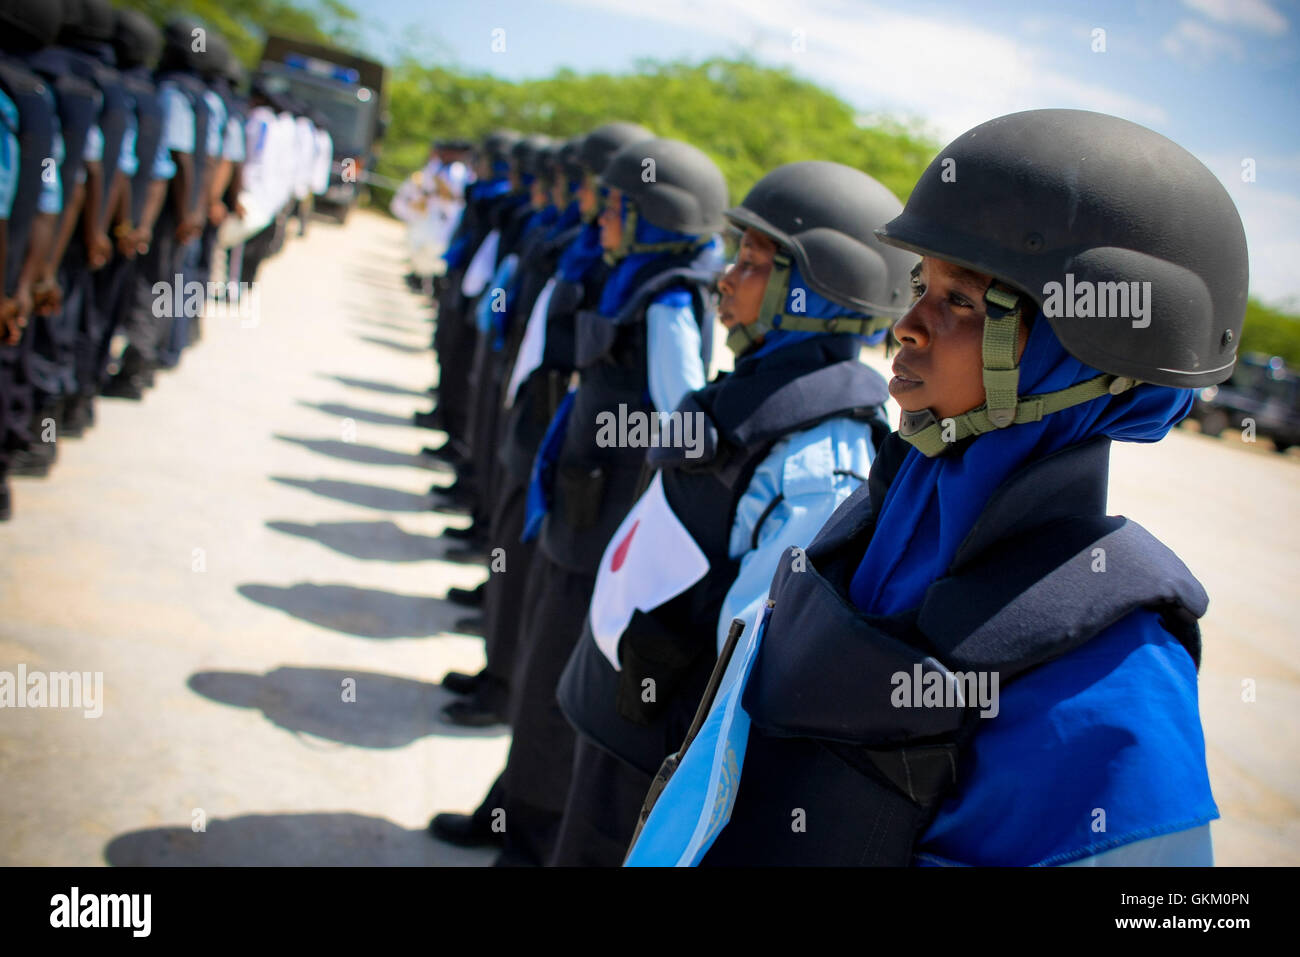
[973, 663]
[792, 433]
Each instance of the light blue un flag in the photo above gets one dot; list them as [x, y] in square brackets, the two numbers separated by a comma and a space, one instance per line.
[696, 804]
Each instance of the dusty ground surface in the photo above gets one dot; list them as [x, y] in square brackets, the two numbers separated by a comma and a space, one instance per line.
[231, 551]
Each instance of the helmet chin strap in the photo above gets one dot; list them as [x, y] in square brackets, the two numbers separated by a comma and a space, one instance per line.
[1003, 406]
[627, 245]
[772, 315]
[589, 180]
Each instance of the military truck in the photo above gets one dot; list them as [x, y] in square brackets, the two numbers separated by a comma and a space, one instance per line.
[348, 90]
[1262, 393]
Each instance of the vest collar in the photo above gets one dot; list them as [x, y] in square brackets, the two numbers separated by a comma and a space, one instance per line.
[1067, 483]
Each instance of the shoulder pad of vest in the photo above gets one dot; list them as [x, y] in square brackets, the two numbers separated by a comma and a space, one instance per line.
[840, 389]
[1069, 579]
[565, 297]
[1069, 482]
[641, 297]
[674, 454]
[561, 240]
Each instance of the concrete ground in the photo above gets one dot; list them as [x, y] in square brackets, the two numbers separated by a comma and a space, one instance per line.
[251, 542]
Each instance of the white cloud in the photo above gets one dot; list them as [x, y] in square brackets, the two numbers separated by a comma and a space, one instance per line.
[1252, 14]
[954, 74]
[1197, 42]
[1270, 214]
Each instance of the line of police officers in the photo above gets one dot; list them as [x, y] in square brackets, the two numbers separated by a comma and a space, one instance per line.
[581, 287]
[127, 159]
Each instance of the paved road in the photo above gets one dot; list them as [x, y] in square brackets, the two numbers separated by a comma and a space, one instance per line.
[255, 533]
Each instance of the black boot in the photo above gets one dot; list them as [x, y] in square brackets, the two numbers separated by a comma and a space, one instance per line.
[468, 597]
[427, 420]
[464, 830]
[457, 682]
[470, 625]
[78, 415]
[483, 709]
[6, 501]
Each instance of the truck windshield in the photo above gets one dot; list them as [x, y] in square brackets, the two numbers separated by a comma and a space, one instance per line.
[348, 110]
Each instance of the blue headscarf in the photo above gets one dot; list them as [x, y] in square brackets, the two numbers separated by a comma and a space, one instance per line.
[933, 502]
[813, 306]
[619, 285]
[568, 217]
[458, 252]
[581, 254]
[543, 218]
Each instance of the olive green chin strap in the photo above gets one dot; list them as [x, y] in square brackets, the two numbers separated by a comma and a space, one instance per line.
[589, 180]
[627, 245]
[1003, 406]
[772, 308]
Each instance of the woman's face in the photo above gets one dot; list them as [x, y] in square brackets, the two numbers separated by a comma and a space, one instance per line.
[611, 221]
[587, 199]
[941, 365]
[742, 284]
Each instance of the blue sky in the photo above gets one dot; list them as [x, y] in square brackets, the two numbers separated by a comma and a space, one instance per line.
[1220, 77]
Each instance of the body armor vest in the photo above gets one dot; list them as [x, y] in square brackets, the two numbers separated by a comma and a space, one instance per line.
[78, 105]
[148, 133]
[36, 125]
[192, 88]
[112, 115]
[825, 735]
[539, 395]
[746, 414]
[594, 485]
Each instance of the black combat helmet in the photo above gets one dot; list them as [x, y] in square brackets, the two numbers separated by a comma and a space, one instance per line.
[86, 21]
[568, 159]
[181, 38]
[823, 216]
[1053, 201]
[29, 24]
[604, 141]
[136, 40]
[669, 184]
[497, 145]
[216, 58]
[528, 155]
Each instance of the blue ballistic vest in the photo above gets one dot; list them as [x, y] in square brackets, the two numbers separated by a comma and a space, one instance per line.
[192, 89]
[1022, 590]
[148, 133]
[539, 395]
[746, 414]
[78, 104]
[36, 125]
[112, 114]
[595, 486]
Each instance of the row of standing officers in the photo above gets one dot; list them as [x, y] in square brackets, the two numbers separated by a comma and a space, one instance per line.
[130, 166]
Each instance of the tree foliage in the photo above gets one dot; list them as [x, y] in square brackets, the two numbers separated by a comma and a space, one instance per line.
[748, 118]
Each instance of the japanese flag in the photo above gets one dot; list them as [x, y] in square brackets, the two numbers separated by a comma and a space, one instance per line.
[650, 559]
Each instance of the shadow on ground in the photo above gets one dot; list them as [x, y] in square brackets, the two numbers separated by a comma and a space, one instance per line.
[355, 452]
[358, 493]
[394, 345]
[364, 612]
[385, 711]
[390, 326]
[333, 839]
[385, 387]
[354, 412]
[371, 541]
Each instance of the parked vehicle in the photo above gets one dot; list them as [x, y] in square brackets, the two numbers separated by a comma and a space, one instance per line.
[1262, 392]
[349, 91]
